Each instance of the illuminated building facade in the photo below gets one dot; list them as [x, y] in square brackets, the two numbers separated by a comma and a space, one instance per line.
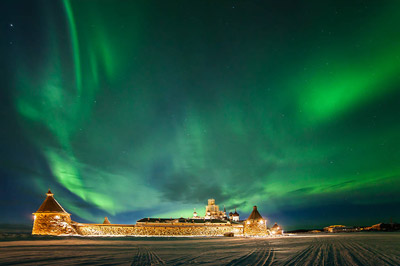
[52, 219]
[276, 229]
[213, 212]
[195, 216]
[340, 228]
[255, 225]
[235, 216]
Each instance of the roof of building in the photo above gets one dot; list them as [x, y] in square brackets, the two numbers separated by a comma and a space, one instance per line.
[106, 221]
[181, 220]
[236, 214]
[275, 226]
[255, 215]
[50, 205]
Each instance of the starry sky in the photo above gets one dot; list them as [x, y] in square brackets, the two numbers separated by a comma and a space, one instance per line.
[132, 109]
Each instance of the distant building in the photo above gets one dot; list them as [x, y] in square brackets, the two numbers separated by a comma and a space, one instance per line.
[340, 228]
[383, 227]
[213, 212]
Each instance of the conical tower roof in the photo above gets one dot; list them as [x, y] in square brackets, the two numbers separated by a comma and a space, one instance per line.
[106, 221]
[50, 205]
[255, 215]
[275, 226]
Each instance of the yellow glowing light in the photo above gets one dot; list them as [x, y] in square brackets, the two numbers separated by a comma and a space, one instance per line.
[56, 217]
[261, 222]
[248, 222]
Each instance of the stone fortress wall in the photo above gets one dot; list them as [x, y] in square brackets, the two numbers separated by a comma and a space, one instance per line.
[157, 230]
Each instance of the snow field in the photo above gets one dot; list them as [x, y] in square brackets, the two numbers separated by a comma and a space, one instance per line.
[335, 249]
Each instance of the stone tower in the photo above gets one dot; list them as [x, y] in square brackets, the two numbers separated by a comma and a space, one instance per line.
[51, 218]
[255, 225]
[106, 221]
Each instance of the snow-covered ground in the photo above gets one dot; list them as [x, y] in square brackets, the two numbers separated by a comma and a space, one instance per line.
[323, 249]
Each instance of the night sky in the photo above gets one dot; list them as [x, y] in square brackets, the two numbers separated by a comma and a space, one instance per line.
[132, 109]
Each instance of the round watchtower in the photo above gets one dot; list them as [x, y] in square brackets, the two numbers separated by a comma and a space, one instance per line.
[255, 225]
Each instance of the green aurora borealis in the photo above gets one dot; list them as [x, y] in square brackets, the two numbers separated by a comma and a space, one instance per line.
[133, 109]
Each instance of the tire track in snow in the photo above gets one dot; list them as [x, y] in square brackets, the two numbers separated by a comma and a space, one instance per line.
[334, 255]
[369, 256]
[327, 251]
[145, 256]
[352, 256]
[321, 251]
[301, 256]
[391, 260]
[257, 257]
[242, 258]
[190, 259]
[184, 260]
[269, 260]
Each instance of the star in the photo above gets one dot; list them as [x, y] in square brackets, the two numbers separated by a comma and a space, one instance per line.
[11, 25]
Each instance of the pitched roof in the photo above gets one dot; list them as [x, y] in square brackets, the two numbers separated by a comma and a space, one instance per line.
[181, 220]
[275, 225]
[50, 204]
[106, 221]
[255, 215]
